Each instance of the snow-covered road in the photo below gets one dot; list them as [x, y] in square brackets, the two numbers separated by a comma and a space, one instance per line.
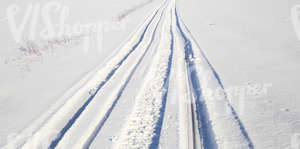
[148, 95]
[158, 90]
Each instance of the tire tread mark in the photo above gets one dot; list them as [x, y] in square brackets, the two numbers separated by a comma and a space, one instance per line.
[107, 114]
[82, 108]
[235, 115]
[207, 138]
[157, 131]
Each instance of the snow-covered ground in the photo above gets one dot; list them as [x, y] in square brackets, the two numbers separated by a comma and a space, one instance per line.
[150, 74]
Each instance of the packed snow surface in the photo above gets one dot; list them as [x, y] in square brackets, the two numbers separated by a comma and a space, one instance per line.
[180, 74]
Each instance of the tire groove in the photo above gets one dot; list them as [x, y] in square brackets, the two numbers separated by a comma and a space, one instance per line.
[205, 129]
[207, 133]
[120, 92]
[82, 108]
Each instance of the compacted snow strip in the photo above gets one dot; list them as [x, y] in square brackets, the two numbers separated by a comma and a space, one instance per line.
[204, 128]
[219, 125]
[142, 129]
[94, 92]
[27, 132]
[95, 126]
[88, 125]
[169, 135]
[63, 119]
[188, 133]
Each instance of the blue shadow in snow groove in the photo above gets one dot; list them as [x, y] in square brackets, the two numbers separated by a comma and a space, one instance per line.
[98, 128]
[207, 136]
[157, 131]
[242, 128]
[82, 108]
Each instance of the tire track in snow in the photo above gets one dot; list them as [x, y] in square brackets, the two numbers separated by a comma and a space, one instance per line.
[211, 137]
[188, 107]
[215, 74]
[32, 142]
[94, 117]
[182, 135]
[155, 139]
[26, 133]
[204, 127]
[82, 108]
[195, 132]
[89, 136]
[142, 130]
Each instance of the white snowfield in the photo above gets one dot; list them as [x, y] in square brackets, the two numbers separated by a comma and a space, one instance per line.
[84, 112]
[156, 91]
